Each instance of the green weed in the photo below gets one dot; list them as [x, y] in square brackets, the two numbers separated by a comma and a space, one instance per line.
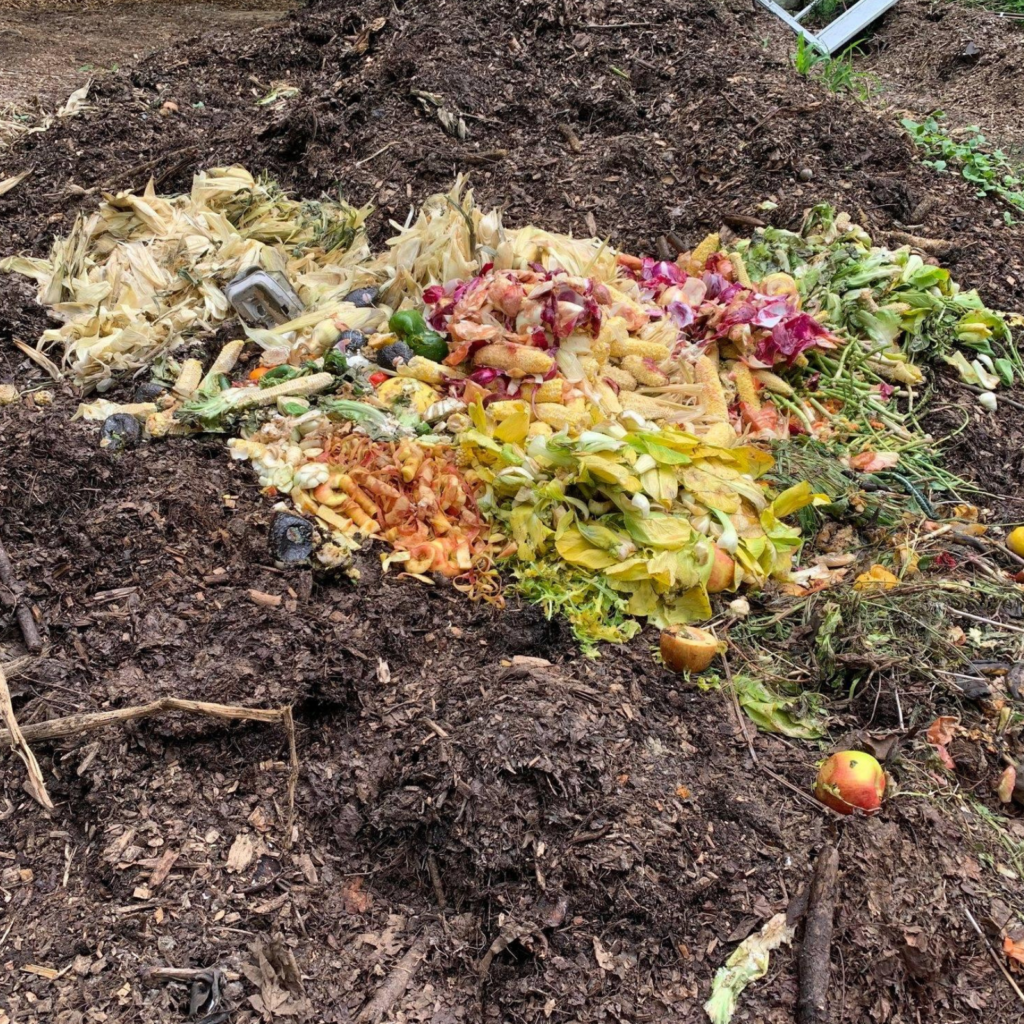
[969, 153]
[837, 74]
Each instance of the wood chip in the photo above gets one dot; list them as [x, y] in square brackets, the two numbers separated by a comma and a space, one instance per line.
[265, 600]
[44, 972]
[163, 868]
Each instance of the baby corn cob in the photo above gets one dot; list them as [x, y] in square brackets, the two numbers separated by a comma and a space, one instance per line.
[773, 382]
[645, 370]
[549, 391]
[224, 363]
[189, 378]
[574, 416]
[746, 389]
[625, 380]
[700, 255]
[515, 360]
[635, 347]
[741, 270]
[427, 371]
[706, 374]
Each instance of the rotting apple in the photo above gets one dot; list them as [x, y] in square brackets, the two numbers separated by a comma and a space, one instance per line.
[688, 649]
[723, 572]
[850, 780]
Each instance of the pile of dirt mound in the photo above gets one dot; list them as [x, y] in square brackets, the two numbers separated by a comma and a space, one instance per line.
[630, 119]
[488, 826]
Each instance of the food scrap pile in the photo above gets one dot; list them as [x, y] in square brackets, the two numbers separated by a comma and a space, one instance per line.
[480, 398]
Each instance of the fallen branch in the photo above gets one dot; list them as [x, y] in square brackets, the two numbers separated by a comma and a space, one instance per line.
[16, 740]
[816, 951]
[79, 725]
[396, 984]
[23, 612]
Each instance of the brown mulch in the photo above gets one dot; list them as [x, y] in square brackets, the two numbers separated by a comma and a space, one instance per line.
[598, 826]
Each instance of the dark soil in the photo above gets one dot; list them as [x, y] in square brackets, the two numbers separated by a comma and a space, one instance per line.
[598, 826]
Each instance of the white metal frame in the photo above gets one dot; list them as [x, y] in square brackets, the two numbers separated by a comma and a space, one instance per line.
[840, 31]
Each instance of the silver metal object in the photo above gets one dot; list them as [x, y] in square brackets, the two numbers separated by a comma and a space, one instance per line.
[263, 297]
[838, 32]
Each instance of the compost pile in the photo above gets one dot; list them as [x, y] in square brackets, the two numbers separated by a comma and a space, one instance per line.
[477, 396]
[565, 422]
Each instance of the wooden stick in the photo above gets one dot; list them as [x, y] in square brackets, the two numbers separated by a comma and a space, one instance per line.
[182, 973]
[816, 951]
[396, 984]
[16, 739]
[77, 725]
[24, 613]
[995, 956]
[741, 720]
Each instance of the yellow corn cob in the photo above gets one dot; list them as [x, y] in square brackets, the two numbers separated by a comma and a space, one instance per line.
[515, 360]
[746, 389]
[720, 435]
[635, 347]
[163, 424]
[644, 371]
[700, 255]
[741, 270]
[189, 378]
[625, 380]
[607, 398]
[224, 363]
[773, 382]
[427, 371]
[253, 398]
[549, 391]
[500, 411]
[591, 367]
[574, 416]
[538, 429]
[705, 373]
[648, 406]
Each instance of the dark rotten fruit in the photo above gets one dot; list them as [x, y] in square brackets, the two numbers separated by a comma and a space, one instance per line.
[120, 432]
[389, 354]
[361, 297]
[291, 539]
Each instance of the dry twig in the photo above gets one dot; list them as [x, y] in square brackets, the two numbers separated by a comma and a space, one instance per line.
[78, 725]
[23, 612]
[16, 740]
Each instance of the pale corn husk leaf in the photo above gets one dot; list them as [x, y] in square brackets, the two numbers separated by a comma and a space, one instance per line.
[144, 273]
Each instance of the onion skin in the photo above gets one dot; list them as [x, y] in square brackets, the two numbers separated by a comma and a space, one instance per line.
[851, 780]
[688, 649]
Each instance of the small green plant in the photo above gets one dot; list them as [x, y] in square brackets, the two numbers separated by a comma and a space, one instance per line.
[988, 169]
[837, 74]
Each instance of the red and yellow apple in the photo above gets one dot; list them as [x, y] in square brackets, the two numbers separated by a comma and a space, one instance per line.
[850, 780]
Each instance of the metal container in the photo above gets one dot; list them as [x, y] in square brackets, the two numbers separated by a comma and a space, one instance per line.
[263, 298]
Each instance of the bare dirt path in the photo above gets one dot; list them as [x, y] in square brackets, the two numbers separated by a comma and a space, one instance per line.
[48, 53]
